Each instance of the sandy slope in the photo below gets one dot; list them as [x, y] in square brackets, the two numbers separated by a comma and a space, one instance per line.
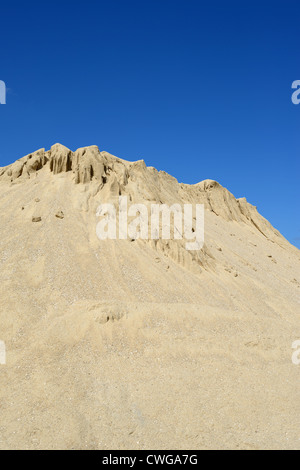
[135, 344]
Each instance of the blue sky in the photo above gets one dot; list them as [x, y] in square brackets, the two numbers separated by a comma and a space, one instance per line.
[200, 89]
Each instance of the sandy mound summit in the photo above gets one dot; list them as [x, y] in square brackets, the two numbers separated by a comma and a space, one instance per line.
[125, 344]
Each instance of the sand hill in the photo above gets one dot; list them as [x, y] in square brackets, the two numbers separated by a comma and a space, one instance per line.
[124, 344]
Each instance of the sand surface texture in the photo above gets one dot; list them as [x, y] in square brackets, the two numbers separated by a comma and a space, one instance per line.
[123, 344]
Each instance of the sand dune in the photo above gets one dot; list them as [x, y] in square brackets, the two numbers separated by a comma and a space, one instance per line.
[142, 344]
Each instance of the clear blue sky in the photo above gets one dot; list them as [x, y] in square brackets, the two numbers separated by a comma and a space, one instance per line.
[200, 89]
